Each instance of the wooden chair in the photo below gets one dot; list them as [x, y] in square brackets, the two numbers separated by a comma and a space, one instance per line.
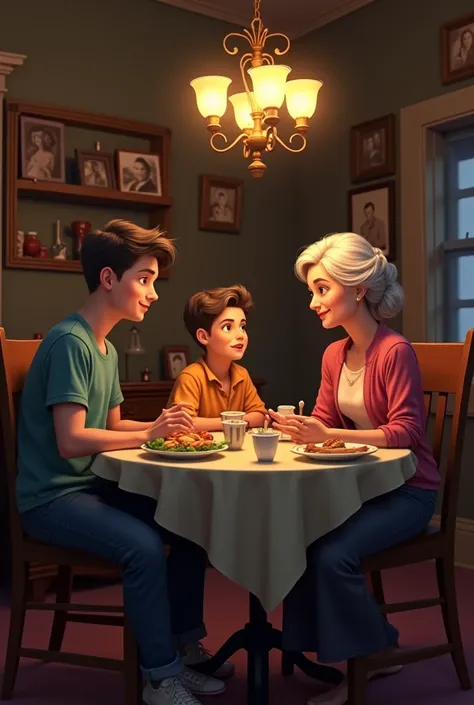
[15, 360]
[447, 369]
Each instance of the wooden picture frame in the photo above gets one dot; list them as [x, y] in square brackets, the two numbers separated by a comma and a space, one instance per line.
[175, 359]
[96, 169]
[221, 204]
[375, 204]
[42, 155]
[372, 149]
[139, 172]
[457, 49]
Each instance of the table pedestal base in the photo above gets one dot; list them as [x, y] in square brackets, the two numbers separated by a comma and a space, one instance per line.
[258, 638]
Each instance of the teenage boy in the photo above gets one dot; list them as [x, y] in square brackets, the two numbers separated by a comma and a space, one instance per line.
[70, 411]
[217, 320]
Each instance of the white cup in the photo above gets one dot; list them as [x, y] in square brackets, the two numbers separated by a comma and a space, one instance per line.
[234, 433]
[286, 410]
[232, 415]
[265, 445]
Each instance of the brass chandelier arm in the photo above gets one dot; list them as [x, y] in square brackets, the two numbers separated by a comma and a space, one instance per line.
[277, 51]
[288, 147]
[238, 35]
[244, 61]
[256, 47]
[238, 139]
[257, 36]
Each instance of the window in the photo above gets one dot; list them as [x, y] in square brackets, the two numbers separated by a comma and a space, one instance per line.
[458, 300]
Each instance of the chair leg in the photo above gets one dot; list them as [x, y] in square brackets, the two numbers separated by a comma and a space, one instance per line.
[17, 623]
[447, 590]
[63, 594]
[377, 587]
[287, 664]
[356, 682]
[132, 673]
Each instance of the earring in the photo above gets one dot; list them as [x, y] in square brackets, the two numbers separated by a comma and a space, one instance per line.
[357, 298]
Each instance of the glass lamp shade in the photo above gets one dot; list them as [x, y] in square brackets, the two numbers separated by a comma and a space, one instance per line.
[242, 111]
[269, 85]
[211, 95]
[134, 344]
[302, 97]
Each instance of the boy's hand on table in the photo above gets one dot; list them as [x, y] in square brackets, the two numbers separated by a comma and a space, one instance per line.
[171, 420]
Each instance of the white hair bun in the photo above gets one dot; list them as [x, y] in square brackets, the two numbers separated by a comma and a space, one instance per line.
[352, 261]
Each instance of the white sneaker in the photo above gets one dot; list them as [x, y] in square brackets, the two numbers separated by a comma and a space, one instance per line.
[339, 694]
[201, 684]
[196, 654]
[171, 691]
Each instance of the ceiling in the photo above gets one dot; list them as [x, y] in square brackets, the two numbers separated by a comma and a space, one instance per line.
[293, 17]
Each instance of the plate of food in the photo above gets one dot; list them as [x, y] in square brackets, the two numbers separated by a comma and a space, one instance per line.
[334, 449]
[185, 445]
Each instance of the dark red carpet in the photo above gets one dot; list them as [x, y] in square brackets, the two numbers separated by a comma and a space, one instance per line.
[432, 682]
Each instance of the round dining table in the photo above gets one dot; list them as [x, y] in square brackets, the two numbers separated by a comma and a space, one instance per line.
[256, 520]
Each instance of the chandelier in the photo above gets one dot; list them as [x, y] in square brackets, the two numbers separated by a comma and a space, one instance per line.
[256, 109]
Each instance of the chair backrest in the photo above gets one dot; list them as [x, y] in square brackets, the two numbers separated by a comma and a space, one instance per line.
[447, 370]
[15, 361]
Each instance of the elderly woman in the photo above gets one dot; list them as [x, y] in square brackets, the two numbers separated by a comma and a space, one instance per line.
[370, 393]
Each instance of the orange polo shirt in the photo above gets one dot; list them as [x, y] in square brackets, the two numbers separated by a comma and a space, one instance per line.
[198, 386]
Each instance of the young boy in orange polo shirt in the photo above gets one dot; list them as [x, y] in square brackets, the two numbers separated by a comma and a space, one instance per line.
[217, 319]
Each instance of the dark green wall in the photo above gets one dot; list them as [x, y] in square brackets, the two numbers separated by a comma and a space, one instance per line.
[135, 58]
[375, 61]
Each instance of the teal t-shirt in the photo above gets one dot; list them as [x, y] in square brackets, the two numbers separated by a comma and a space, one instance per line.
[68, 367]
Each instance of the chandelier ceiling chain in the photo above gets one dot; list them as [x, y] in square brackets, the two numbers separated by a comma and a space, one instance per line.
[256, 109]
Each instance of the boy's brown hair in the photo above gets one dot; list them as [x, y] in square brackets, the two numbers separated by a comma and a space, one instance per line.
[204, 307]
[118, 246]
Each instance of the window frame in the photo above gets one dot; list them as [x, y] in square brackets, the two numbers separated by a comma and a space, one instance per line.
[455, 151]
[422, 221]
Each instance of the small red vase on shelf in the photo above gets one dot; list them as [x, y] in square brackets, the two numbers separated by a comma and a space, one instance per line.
[32, 244]
[80, 228]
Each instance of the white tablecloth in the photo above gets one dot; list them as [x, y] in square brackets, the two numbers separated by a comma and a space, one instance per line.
[256, 520]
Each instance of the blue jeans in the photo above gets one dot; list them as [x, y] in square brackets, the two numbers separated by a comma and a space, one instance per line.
[331, 610]
[163, 597]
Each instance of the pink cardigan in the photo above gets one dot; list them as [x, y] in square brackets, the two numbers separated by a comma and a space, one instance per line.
[393, 398]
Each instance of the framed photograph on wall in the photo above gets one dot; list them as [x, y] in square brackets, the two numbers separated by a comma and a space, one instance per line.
[372, 215]
[42, 149]
[457, 49]
[138, 172]
[95, 169]
[221, 204]
[372, 149]
[175, 359]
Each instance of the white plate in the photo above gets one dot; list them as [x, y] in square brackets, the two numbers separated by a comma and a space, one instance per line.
[182, 456]
[317, 457]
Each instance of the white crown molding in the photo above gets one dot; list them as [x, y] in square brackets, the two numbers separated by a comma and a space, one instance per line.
[323, 18]
[293, 27]
[8, 62]
[209, 9]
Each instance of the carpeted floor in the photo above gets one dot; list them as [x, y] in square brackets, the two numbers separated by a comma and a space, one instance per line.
[431, 682]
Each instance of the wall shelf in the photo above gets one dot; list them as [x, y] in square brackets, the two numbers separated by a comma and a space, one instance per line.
[158, 208]
[72, 193]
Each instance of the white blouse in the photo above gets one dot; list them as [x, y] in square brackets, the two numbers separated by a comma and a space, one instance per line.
[350, 397]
